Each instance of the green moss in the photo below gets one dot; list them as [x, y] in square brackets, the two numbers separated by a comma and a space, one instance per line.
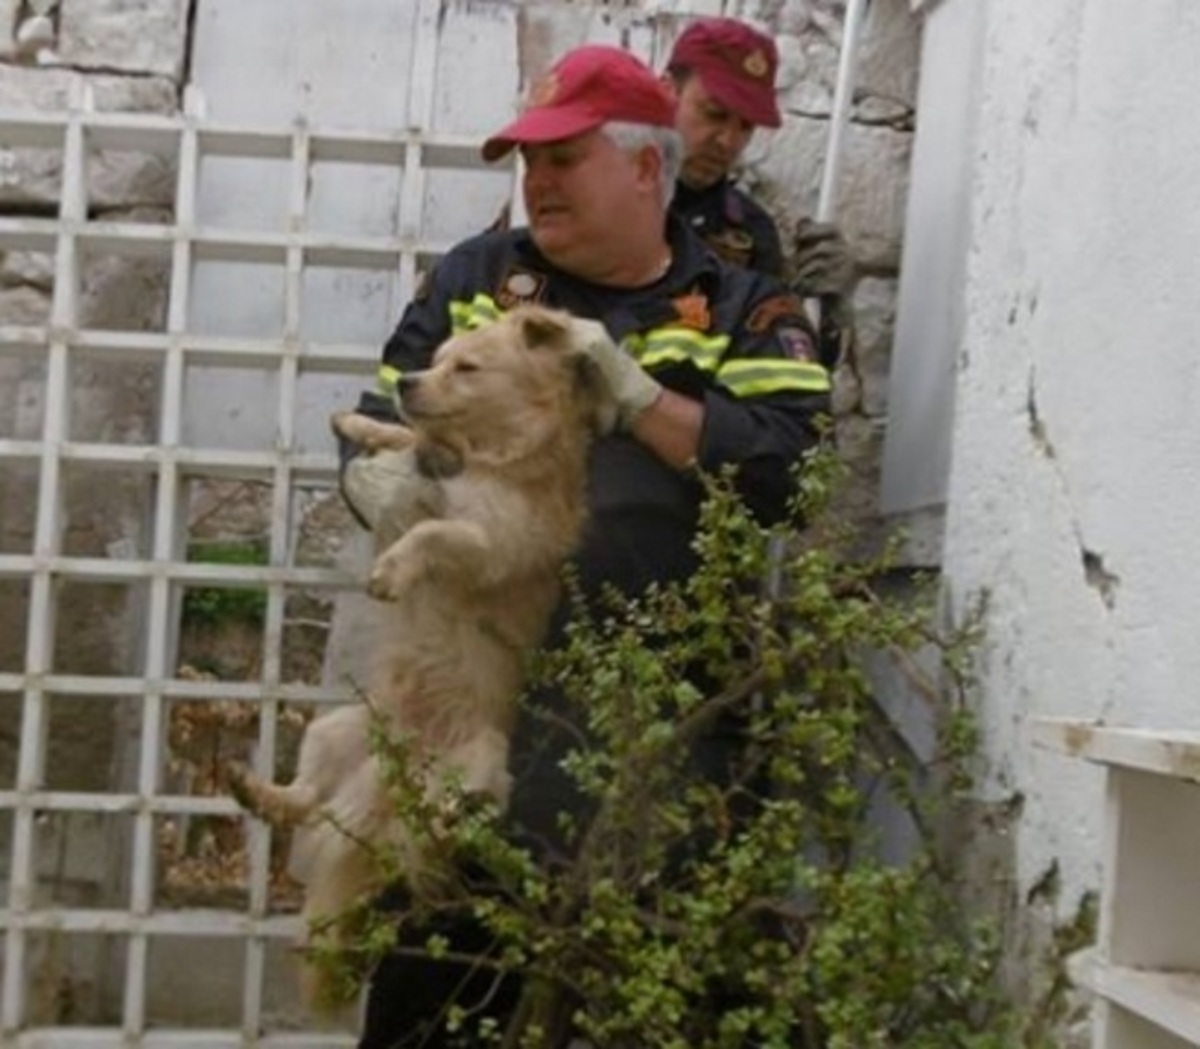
[218, 605]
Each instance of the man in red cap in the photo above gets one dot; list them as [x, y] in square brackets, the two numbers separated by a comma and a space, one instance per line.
[713, 368]
[723, 72]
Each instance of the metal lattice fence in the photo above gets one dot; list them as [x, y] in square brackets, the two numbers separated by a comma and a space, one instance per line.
[129, 936]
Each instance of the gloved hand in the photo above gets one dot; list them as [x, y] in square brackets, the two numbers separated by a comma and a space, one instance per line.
[632, 388]
[389, 493]
[822, 261]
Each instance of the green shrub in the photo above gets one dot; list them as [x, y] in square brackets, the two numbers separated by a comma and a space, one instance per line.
[756, 911]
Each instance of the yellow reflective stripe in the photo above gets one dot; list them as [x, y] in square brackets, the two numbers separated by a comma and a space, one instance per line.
[755, 376]
[464, 316]
[387, 378]
[674, 345]
[467, 316]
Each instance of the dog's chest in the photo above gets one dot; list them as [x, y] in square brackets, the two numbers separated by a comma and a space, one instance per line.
[488, 502]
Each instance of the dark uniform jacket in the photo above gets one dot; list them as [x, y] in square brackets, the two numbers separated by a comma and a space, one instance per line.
[732, 224]
[731, 338]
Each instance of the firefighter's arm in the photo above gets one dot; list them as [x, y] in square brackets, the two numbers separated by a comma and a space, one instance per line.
[671, 428]
[770, 391]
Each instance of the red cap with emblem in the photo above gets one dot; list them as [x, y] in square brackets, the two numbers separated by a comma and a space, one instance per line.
[735, 63]
[586, 88]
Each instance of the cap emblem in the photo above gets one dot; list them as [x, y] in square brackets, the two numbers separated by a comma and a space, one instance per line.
[756, 65]
[521, 285]
[544, 90]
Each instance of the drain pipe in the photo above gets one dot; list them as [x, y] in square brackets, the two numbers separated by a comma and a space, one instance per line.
[839, 117]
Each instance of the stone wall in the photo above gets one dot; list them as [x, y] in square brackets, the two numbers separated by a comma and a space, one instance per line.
[786, 170]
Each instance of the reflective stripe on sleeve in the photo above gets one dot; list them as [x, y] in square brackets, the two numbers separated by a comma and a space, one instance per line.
[386, 379]
[752, 377]
[674, 345]
[467, 316]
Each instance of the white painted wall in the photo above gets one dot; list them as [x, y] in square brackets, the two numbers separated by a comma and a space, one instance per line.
[1074, 491]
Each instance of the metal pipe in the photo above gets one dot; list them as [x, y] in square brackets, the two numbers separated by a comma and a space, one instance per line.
[839, 117]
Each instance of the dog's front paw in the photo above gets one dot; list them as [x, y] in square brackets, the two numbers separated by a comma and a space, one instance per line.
[390, 578]
[346, 424]
[241, 786]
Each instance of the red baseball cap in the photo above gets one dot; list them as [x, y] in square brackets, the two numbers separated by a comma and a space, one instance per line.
[735, 63]
[586, 88]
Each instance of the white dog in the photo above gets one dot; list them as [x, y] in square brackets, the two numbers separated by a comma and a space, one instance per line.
[508, 412]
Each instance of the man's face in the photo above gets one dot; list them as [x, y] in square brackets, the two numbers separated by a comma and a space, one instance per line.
[576, 191]
[713, 136]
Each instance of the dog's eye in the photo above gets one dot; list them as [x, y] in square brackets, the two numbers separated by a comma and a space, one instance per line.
[466, 366]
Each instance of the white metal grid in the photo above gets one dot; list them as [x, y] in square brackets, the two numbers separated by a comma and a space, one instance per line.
[70, 237]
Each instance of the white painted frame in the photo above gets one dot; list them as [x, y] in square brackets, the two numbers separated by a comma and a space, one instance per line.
[1145, 968]
[188, 139]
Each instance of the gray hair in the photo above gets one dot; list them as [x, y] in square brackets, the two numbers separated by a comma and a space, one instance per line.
[631, 137]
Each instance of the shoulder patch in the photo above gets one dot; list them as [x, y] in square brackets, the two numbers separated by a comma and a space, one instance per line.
[797, 343]
[691, 310]
[519, 287]
[772, 310]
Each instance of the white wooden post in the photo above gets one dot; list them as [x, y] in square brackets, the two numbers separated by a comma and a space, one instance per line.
[1145, 970]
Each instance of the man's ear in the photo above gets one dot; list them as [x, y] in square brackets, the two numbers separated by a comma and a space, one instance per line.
[649, 161]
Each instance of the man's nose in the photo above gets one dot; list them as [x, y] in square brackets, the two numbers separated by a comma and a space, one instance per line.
[728, 137]
[536, 172]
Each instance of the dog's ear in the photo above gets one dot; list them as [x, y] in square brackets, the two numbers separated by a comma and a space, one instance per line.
[595, 393]
[541, 327]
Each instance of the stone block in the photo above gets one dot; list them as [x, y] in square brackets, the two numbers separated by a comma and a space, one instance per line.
[137, 36]
[809, 37]
[871, 193]
[26, 87]
[24, 306]
[889, 54]
[874, 321]
[33, 177]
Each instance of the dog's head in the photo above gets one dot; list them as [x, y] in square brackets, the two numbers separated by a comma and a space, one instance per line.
[507, 389]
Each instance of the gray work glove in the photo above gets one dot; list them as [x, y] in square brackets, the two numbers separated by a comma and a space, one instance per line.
[822, 261]
[390, 493]
[632, 388]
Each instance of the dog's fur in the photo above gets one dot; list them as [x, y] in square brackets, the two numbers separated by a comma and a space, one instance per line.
[504, 416]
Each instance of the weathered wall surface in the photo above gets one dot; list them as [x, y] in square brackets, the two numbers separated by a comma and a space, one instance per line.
[1074, 487]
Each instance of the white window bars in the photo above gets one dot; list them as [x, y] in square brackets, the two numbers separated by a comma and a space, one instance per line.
[40, 574]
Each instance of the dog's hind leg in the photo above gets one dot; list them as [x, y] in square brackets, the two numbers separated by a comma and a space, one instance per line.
[343, 873]
[481, 765]
[278, 805]
[334, 746]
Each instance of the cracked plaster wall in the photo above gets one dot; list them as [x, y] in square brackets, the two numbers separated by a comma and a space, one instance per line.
[1074, 490]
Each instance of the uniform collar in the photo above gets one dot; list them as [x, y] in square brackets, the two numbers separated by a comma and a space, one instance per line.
[690, 260]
